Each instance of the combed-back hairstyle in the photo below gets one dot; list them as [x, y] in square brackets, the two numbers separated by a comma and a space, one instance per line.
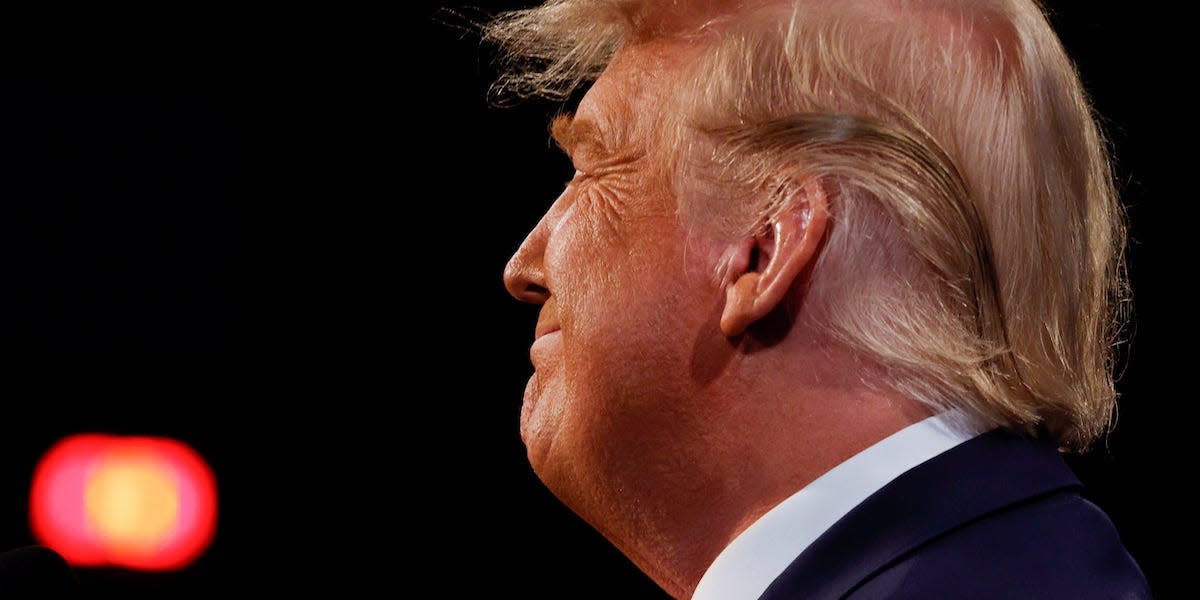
[975, 240]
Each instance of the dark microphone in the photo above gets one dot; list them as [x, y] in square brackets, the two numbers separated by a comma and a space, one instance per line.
[36, 572]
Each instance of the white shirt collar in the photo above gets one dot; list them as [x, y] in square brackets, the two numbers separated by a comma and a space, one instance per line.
[748, 565]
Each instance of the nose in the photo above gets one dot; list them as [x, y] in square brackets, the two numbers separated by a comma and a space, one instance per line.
[525, 275]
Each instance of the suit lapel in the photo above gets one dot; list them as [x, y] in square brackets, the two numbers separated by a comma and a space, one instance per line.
[977, 477]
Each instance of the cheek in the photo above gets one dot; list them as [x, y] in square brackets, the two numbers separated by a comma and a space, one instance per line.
[630, 315]
[582, 267]
[627, 294]
[602, 281]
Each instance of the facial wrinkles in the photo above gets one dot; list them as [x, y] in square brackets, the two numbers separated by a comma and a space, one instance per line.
[593, 230]
[608, 185]
[612, 201]
[610, 195]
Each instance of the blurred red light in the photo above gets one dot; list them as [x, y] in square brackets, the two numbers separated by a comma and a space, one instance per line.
[135, 502]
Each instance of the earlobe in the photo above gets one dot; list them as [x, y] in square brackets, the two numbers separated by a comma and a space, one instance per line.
[789, 244]
[739, 304]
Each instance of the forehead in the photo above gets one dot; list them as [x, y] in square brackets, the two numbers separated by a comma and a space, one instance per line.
[632, 97]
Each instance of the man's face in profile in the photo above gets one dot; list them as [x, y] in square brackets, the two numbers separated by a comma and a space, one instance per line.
[624, 292]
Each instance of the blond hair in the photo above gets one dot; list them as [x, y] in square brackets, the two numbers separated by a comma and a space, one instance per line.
[976, 240]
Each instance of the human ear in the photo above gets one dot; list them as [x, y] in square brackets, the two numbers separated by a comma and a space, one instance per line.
[765, 266]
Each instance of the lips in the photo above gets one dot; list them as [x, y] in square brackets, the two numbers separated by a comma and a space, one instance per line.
[544, 329]
[547, 337]
[545, 349]
[547, 319]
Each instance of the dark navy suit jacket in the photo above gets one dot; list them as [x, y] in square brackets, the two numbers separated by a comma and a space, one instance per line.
[998, 516]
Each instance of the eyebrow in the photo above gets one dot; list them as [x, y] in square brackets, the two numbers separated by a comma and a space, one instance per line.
[571, 134]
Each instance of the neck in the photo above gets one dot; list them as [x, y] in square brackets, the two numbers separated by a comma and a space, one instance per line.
[768, 429]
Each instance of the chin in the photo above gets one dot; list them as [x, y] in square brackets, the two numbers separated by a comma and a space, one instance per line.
[549, 443]
[537, 410]
[553, 470]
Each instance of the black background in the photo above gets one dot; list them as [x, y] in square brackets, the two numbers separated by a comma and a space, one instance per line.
[279, 236]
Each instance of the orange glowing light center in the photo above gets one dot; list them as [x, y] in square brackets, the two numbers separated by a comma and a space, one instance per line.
[133, 504]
